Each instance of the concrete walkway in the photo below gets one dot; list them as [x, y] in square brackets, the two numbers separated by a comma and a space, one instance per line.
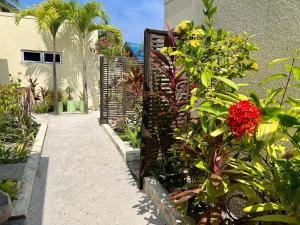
[82, 179]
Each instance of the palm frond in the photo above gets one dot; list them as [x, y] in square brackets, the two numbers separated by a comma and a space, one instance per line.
[9, 5]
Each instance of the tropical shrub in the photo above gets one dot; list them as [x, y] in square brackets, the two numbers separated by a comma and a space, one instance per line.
[40, 108]
[17, 128]
[235, 145]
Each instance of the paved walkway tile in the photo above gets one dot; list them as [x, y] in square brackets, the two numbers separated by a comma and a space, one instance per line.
[82, 179]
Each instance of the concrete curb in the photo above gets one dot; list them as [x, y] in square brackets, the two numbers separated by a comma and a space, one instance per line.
[21, 205]
[159, 197]
[127, 154]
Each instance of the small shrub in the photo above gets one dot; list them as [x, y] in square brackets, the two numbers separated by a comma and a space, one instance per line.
[40, 108]
[10, 187]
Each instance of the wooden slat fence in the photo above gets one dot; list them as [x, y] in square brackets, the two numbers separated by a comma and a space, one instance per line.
[115, 101]
[157, 124]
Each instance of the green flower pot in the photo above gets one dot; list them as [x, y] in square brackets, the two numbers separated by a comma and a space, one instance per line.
[71, 106]
[81, 106]
[60, 107]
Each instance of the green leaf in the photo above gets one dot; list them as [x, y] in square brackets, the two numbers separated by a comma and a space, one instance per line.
[278, 218]
[288, 68]
[267, 130]
[273, 77]
[276, 61]
[262, 207]
[287, 120]
[296, 72]
[218, 132]
[206, 78]
[212, 12]
[228, 82]
[208, 109]
[201, 165]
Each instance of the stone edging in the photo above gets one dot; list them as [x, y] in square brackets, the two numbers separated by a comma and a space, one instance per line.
[21, 205]
[127, 154]
[159, 197]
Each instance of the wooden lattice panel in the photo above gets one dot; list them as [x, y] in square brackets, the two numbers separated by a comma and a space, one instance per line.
[115, 101]
[156, 126]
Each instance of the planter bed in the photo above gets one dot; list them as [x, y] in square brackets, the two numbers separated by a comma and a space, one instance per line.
[24, 173]
[159, 197]
[130, 155]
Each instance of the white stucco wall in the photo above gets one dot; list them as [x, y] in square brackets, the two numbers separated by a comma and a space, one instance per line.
[275, 25]
[14, 38]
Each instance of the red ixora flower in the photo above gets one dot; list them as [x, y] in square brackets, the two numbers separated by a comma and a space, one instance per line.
[244, 117]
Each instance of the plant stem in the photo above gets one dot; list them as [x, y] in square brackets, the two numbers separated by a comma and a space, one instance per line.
[288, 81]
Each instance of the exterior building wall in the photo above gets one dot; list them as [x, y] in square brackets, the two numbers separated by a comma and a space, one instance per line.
[273, 24]
[26, 36]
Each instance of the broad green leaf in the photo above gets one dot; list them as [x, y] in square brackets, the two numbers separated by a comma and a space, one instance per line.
[201, 165]
[262, 207]
[193, 100]
[226, 97]
[287, 120]
[288, 68]
[273, 77]
[243, 85]
[296, 72]
[218, 132]
[184, 108]
[276, 61]
[206, 78]
[278, 218]
[267, 130]
[208, 109]
[228, 82]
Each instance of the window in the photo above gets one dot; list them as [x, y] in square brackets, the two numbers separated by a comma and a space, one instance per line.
[48, 57]
[41, 57]
[32, 56]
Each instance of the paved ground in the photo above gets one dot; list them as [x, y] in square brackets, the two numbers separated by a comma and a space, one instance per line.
[82, 179]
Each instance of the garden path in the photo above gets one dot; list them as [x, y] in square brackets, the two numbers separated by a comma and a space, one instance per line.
[82, 180]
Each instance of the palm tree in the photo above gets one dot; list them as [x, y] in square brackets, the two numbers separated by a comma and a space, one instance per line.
[89, 17]
[49, 15]
[9, 5]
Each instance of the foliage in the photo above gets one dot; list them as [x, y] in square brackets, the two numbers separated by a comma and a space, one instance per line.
[9, 5]
[10, 187]
[48, 98]
[132, 133]
[235, 145]
[133, 81]
[109, 45]
[69, 90]
[17, 129]
[40, 108]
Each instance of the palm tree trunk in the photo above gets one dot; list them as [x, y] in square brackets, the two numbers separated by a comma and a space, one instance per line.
[54, 77]
[84, 77]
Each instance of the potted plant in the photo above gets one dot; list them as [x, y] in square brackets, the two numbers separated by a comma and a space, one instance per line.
[71, 104]
[81, 103]
[60, 103]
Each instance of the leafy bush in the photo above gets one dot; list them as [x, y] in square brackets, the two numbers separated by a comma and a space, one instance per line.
[40, 108]
[237, 145]
[10, 187]
[48, 98]
[17, 128]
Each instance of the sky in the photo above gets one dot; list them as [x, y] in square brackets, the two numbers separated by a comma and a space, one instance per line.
[130, 16]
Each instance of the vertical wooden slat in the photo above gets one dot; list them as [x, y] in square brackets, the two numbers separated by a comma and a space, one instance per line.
[101, 88]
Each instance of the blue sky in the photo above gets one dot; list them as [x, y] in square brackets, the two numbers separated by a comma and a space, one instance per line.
[131, 16]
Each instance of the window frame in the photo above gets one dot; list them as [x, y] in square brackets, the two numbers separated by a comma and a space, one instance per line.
[42, 54]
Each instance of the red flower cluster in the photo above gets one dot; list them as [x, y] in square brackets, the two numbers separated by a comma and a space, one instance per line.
[244, 117]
